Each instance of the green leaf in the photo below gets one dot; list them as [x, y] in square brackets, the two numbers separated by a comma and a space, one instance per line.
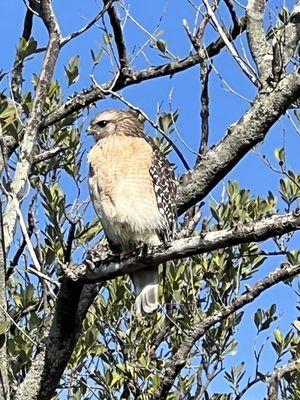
[4, 327]
[161, 45]
[107, 38]
[258, 318]
[297, 325]
[278, 336]
[72, 70]
[96, 57]
[280, 155]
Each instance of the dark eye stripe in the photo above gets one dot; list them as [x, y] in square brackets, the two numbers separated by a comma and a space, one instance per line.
[102, 124]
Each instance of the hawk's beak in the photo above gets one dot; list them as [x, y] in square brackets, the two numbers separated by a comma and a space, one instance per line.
[89, 130]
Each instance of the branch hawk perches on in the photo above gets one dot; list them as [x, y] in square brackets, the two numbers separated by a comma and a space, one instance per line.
[133, 190]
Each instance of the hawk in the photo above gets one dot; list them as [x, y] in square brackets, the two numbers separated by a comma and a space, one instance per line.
[133, 189]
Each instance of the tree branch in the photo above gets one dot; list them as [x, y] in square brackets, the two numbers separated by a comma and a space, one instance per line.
[291, 35]
[60, 337]
[243, 65]
[118, 35]
[16, 76]
[278, 375]
[241, 137]
[93, 94]
[261, 50]
[56, 346]
[181, 356]
[27, 145]
[204, 75]
[73, 35]
[97, 269]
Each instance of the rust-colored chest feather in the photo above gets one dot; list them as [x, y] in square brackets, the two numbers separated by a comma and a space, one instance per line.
[122, 188]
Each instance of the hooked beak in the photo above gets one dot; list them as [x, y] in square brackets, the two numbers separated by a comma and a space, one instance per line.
[89, 130]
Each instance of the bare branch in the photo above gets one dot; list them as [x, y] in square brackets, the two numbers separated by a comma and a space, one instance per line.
[118, 35]
[243, 65]
[95, 269]
[16, 76]
[232, 11]
[204, 75]
[28, 242]
[46, 155]
[261, 50]
[73, 35]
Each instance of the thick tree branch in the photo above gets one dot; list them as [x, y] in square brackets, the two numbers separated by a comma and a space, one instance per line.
[261, 50]
[95, 269]
[27, 145]
[291, 35]
[4, 381]
[278, 375]
[241, 137]
[56, 346]
[180, 358]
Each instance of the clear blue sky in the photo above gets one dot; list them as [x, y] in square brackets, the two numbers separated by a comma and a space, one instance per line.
[225, 108]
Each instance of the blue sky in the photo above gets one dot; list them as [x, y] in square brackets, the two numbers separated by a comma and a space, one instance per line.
[225, 108]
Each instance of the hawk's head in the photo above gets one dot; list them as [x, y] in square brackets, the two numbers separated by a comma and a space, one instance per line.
[119, 122]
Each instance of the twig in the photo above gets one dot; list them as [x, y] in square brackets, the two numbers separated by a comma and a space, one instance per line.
[144, 29]
[73, 35]
[49, 154]
[205, 71]
[21, 248]
[18, 326]
[118, 35]
[27, 238]
[175, 127]
[244, 66]
[45, 277]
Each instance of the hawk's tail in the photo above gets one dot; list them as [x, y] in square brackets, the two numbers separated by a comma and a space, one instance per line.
[146, 290]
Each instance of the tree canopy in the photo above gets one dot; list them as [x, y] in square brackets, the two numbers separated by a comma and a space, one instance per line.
[217, 86]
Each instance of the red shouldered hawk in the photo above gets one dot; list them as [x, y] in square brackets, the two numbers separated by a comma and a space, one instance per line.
[133, 189]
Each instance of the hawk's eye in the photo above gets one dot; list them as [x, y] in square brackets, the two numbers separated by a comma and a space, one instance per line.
[102, 124]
